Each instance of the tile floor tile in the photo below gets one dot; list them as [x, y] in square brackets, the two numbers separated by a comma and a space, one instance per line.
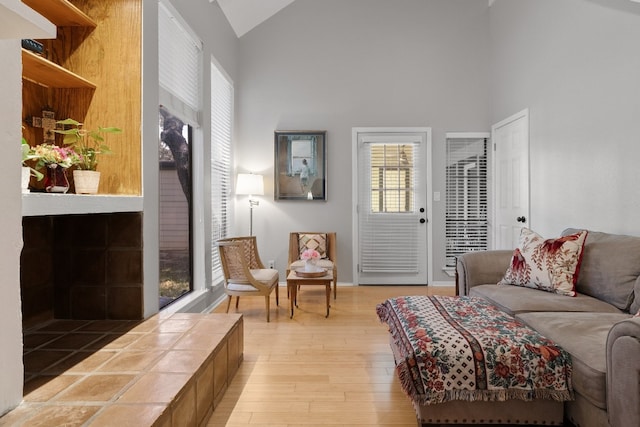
[131, 361]
[43, 388]
[95, 388]
[81, 362]
[181, 361]
[165, 388]
[56, 416]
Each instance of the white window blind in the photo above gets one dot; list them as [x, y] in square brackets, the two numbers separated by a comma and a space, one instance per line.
[389, 182]
[466, 210]
[180, 59]
[221, 125]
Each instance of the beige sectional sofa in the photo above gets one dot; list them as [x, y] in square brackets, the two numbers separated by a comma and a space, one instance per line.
[597, 326]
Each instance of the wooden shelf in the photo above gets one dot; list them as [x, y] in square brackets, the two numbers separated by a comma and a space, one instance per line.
[44, 72]
[61, 12]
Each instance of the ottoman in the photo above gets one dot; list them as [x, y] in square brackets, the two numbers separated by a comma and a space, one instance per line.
[462, 361]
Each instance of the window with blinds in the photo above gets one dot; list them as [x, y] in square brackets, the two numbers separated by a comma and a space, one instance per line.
[180, 85]
[466, 198]
[180, 58]
[221, 125]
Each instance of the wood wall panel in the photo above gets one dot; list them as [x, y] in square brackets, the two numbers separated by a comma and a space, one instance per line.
[109, 56]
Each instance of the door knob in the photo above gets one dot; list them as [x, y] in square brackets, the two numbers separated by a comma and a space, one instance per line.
[521, 219]
[422, 220]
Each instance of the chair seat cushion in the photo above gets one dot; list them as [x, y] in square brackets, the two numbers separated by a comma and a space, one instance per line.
[268, 276]
[241, 287]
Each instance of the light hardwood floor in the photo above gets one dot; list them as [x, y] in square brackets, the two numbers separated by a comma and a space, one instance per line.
[316, 371]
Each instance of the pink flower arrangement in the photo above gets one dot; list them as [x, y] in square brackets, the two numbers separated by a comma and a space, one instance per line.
[310, 254]
[49, 154]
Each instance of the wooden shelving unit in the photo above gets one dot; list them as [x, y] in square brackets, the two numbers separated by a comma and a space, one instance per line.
[80, 75]
[41, 71]
[61, 12]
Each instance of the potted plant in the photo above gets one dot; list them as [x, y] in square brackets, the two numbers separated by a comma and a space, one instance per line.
[56, 160]
[89, 144]
[27, 171]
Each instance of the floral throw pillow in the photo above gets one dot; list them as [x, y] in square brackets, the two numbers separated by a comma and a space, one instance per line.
[550, 265]
[317, 242]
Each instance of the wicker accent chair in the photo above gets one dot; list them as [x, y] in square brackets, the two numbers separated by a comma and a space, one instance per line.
[301, 240]
[244, 273]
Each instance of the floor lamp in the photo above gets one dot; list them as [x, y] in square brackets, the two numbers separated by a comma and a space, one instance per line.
[252, 185]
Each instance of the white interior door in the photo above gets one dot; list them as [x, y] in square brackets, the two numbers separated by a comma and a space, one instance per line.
[392, 212]
[511, 186]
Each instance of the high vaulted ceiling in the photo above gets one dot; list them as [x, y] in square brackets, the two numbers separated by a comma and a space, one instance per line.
[244, 15]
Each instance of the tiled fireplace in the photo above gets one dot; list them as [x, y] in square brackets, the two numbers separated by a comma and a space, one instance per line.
[82, 267]
[89, 356]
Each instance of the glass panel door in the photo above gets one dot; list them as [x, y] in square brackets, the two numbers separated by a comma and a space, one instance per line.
[392, 208]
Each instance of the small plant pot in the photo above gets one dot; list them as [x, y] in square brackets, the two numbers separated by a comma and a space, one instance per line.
[86, 182]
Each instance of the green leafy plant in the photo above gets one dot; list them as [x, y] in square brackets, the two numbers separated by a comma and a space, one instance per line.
[88, 143]
[28, 153]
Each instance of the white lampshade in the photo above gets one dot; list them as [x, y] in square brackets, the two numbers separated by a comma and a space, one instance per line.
[250, 184]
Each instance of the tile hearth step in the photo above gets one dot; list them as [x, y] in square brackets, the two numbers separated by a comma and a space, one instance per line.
[166, 370]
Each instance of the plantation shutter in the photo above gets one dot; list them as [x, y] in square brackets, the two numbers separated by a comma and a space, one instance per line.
[388, 216]
[466, 200]
[221, 125]
[179, 56]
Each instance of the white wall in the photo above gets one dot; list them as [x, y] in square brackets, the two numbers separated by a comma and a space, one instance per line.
[11, 368]
[335, 64]
[576, 65]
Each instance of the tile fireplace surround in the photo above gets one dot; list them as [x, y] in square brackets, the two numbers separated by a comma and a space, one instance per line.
[90, 359]
[169, 370]
[82, 267]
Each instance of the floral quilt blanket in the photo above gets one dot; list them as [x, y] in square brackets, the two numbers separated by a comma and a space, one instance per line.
[464, 348]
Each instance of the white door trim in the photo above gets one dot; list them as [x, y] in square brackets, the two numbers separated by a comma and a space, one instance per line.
[354, 192]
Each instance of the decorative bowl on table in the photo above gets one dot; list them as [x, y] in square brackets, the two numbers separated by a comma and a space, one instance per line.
[302, 272]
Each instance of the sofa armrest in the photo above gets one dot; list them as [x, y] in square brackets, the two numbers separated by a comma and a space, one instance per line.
[481, 268]
[623, 373]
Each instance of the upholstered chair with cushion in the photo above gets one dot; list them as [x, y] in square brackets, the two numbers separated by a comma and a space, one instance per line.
[244, 273]
[323, 242]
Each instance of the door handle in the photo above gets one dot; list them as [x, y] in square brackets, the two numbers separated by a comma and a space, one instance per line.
[422, 220]
[521, 219]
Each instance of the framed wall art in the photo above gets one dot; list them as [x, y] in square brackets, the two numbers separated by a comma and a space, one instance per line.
[300, 165]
